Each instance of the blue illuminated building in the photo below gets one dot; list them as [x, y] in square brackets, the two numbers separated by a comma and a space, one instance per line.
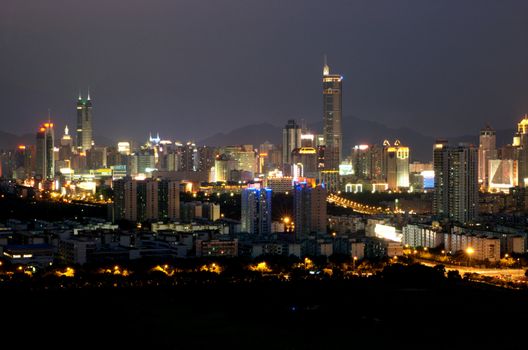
[256, 211]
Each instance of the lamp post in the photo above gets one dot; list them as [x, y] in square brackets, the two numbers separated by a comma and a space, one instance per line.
[354, 262]
[469, 252]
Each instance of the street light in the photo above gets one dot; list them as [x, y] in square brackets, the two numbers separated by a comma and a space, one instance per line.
[469, 252]
[354, 262]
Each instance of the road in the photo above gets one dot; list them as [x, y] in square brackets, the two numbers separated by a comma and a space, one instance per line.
[510, 273]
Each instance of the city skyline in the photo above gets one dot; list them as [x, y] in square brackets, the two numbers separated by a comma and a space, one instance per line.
[238, 173]
[466, 81]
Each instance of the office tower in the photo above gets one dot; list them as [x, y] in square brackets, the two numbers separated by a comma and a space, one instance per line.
[520, 143]
[396, 165]
[307, 140]
[456, 181]
[123, 147]
[244, 156]
[96, 158]
[304, 162]
[309, 207]
[146, 161]
[487, 150]
[84, 124]
[144, 200]
[332, 107]
[224, 164]
[66, 146]
[256, 211]
[7, 164]
[23, 162]
[502, 175]
[507, 152]
[270, 157]
[291, 139]
[45, 158]
[361, 161]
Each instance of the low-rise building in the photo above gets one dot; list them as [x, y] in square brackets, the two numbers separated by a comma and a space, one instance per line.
[216, 247]
[37, 254]
[416, 235]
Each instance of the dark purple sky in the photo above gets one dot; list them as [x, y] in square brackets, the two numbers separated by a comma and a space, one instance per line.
[191, 68]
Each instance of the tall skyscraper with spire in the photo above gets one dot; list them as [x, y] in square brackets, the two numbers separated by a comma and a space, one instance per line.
[84, 124]
[332, 107]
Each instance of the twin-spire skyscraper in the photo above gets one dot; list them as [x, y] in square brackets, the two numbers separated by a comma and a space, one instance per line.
[84, 124]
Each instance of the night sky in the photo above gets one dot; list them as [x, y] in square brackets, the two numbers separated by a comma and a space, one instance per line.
[189, 69]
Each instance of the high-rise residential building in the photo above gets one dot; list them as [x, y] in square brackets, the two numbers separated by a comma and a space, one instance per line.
[291, 139]
[206, 158]
[84, 124]
[143, 200]
[332, 108]
[376, 163]
[396, 165]
[487, 150]
[309, 207]
[189, 157]
[45, 157]
[256, 211]
[456, 181]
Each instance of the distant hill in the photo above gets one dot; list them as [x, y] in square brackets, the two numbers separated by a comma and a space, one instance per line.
[11, 141]
[355, 131]
[250, 134]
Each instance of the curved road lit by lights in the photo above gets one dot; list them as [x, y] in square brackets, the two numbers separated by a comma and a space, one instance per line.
[357, 207]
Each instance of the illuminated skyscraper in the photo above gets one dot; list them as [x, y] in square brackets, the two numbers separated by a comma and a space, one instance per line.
[396, 165]
[45, 157]
[66, 146]
[256, 211]
[456, 182]
[291, 139]
[304, 162]
[487, 150]
[520, 143]
[84, 124]
[332, 107]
